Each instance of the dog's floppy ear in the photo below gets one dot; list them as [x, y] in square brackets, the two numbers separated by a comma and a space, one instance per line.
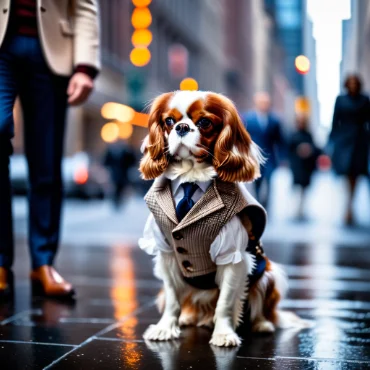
[155, 161]
[236, 157]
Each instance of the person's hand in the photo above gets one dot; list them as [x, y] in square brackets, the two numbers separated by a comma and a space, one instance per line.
[79, 88]
[304, 150]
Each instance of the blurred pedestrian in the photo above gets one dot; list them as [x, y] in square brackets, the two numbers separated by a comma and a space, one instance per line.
[266, 131]
[49, 56]
[303, 155]
[119, 159]
[349, 137]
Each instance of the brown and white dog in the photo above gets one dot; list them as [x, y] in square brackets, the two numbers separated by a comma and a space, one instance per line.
[199, 136]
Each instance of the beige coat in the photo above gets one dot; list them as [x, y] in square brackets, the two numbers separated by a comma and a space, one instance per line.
[192, 237]
[69, 32]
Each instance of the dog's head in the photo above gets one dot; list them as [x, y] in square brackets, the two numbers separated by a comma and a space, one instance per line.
[200, 127]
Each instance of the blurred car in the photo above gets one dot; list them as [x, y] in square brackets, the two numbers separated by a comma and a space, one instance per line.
[82, 176]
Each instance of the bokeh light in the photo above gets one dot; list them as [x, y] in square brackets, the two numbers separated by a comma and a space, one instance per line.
[81, 175]
[188, 84]
[141, 18]
[302, 64]
[120, 112]
[125, 130]
[140, 57]
[142, 37]
[141, 3]
[302, 105]
[140, 119]
[110, 132]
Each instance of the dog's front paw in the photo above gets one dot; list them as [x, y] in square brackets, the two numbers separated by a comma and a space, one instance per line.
[162, 331]
[225, 339]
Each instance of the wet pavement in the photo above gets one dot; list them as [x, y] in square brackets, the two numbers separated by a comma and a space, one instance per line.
[329, 284]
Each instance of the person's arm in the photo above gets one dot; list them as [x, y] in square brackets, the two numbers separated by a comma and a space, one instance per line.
[92, 72]
[280, 141]
[87, 34]
[86, 51]
[336, 121]
[292, 145]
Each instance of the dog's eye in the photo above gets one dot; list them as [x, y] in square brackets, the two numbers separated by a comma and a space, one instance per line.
[169, 121]
[204, 123]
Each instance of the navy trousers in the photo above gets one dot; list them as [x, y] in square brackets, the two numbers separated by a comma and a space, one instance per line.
[24, 73]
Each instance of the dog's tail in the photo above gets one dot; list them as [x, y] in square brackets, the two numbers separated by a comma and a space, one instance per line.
[266, 295]
[282, 319]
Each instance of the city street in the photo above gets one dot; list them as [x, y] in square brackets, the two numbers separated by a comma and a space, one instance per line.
[329, 284]
[96, 95]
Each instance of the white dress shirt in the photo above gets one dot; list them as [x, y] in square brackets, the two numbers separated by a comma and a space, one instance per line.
[228, 246]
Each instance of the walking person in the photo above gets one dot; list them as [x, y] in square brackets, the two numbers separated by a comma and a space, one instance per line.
[265, 129]
[119, 159]
[49, 56]
[303, 154]
[349, 137]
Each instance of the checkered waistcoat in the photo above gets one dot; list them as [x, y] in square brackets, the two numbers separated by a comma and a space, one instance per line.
[191, 238]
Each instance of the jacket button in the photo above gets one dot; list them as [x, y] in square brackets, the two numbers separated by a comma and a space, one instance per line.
[42, 9]
[178, 236]
[188, 266]
[181, 250]
[5, 11]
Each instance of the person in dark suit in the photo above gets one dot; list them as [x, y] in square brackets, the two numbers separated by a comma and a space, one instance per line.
[119, 159]
[49, 57]
[265, 129]
[349, 137]
[303, 154]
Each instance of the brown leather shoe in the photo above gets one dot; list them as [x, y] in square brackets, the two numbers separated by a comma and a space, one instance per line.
[6, 281]
[46, 281]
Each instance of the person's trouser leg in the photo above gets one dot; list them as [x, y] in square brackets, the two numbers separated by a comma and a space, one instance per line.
[6, 222]
[8, 92]
[268, 176]
[352, 181]
[257, 187]
[44, 100]
[266, 201]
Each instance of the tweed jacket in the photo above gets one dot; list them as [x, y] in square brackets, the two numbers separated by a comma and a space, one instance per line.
[68, 31]
[192, 237]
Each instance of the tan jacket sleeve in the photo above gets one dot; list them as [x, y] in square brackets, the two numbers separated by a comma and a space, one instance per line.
[87, 34]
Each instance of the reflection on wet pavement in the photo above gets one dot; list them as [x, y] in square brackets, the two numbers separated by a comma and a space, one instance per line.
[116, 292]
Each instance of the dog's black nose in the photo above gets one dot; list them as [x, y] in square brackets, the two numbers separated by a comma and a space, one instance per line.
[182, 129]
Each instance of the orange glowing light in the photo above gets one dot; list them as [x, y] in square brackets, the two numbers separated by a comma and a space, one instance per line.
[140, 57]
[142, 37]
[140, 119]
[302, 64]
[120, 112]
[124, 298]
[81, 175]
[302, 105]
[141, 18]
[188, 84]
[125, 130]
[110, 132]
[141, 3]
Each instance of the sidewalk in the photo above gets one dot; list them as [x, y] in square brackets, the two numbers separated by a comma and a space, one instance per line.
[327, 266]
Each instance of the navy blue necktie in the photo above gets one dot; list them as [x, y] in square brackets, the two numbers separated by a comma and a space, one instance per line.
[186, 203]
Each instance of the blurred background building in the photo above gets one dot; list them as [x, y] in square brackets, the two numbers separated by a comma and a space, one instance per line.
[229, 46]
[310, 80]
[355, 42]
